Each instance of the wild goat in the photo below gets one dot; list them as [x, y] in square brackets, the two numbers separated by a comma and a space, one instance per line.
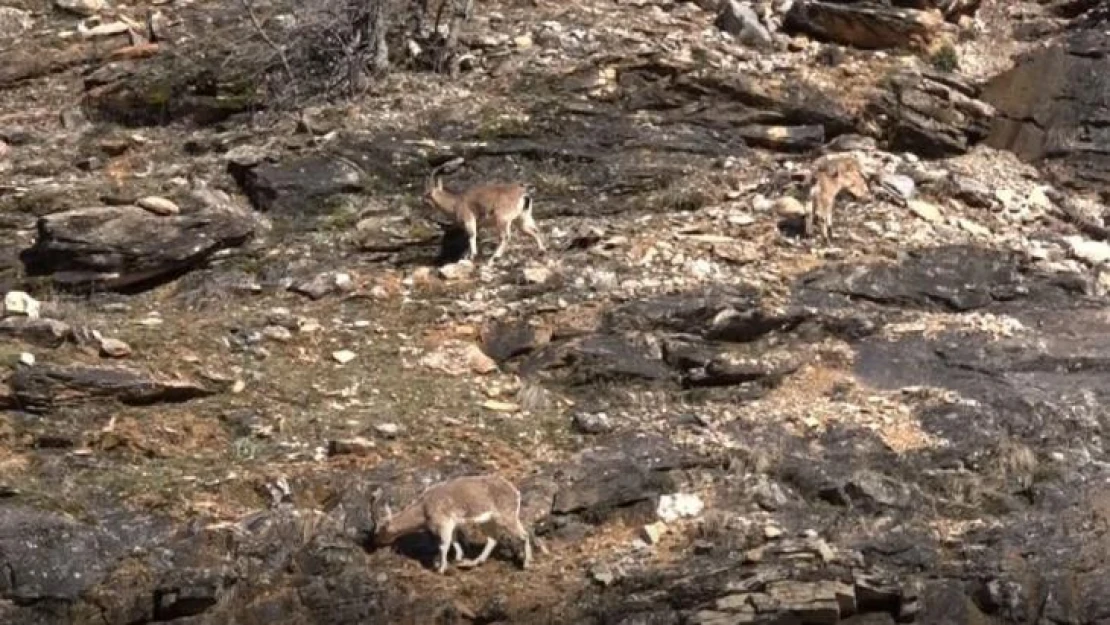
[831, 175]
[499, 204]
[476, 500]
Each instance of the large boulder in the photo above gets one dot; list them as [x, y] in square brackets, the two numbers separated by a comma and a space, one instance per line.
[126, 247]
[864, 25]
[1053, 107]
[930, 114]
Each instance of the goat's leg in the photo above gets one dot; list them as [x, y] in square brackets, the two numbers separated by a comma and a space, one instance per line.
[528, 225]
[446, 539]
[521, 532]
[482, 557]
[505, 233]
[471, 225]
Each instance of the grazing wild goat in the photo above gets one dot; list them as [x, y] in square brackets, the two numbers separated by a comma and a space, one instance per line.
[476, 500]
[831, 175]
[496, 204]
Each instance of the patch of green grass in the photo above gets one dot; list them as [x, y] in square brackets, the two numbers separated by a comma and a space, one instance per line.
[945, 58]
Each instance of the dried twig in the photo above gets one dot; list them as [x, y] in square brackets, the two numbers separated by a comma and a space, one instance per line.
[270, 42]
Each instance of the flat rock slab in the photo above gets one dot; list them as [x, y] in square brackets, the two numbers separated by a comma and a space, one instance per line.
[296, 188]
[126, 247]
[41, 332]
[948, 278]
[863, 25]
[41, 388]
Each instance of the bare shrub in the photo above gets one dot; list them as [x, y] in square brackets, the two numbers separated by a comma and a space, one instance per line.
[339, 47]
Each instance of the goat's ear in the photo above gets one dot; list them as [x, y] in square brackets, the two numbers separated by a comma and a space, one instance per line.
[388, 513]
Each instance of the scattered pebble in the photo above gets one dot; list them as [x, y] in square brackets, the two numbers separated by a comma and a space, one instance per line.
[388, 430]
[653, 532]
[592, 423]
[357, 446]
[158, 205]
[343, 356]
[114, 348]
[27, 358]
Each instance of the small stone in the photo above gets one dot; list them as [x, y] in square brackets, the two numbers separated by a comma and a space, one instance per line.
[108, 29]
[357, 446]
[456, 271]
[772, 532]
[388, 430]
[652, 532]
[81, 7]
[13, 22]
[592, 423]
[1088, 251]
[114, 348]
[536, 274]
[679, 505]
[523, 41]
[926, 210]
[344, 282]
[788, 206]
[158, 205]
[973, 228]
[459, 357]
[740, 20]
[278, 333]
[27, 358]
[319, 286]
[18, 303]
[343, 356]
[903, 186]
[500, 406]
[602, 575]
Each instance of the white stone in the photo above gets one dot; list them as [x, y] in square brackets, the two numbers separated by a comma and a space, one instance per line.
[18, 303]
[158, 205]
[27, 358]
[1090, 252]
[678, 505]
[343, 356]
[925, 210]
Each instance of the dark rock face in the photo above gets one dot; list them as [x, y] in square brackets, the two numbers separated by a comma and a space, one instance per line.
[127, 248]
[952, 278]
[297, 188]
[1053, 109]
[931, 115]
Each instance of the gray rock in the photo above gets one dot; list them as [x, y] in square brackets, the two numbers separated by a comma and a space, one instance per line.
[128, 248]
[43, 388]
[902, 186]
[592, 423]
[81, 7]
[13, 22]
[740, 20]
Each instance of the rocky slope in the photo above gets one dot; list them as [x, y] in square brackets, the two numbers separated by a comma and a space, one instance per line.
[225, 326]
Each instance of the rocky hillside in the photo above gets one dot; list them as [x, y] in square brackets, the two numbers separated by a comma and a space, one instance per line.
[228, 321]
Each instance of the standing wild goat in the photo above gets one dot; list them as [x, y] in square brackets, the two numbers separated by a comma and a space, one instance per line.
[482, 500]
[831, 175]
[499, 204]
